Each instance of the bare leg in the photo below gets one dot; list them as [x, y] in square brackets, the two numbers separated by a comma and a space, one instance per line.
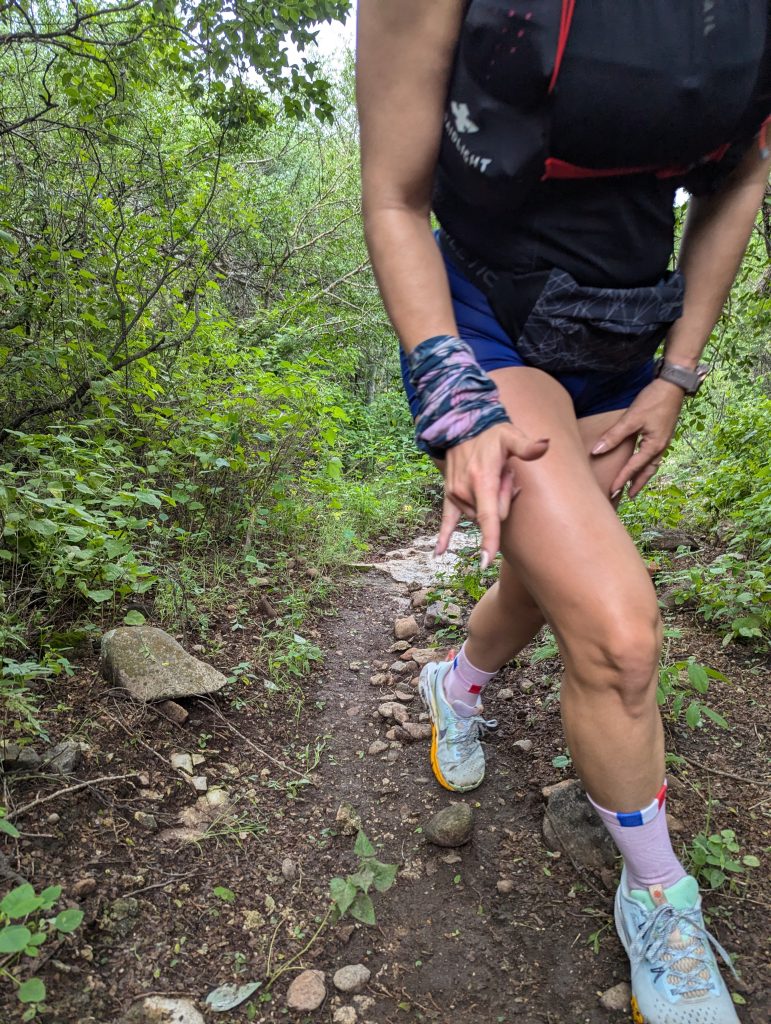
[506, 618]
[564, 546]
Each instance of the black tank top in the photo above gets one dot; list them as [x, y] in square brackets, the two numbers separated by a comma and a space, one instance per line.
[642, 83]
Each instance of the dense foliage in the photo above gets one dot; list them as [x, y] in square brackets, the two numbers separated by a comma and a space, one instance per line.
[198, 381]
[195, 364]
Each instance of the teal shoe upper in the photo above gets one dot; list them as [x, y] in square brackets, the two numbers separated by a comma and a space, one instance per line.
[675, 978]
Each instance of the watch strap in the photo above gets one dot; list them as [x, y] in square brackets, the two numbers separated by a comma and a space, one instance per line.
[689, 380]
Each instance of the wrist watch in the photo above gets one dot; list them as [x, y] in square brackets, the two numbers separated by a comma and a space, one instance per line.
[689, 380]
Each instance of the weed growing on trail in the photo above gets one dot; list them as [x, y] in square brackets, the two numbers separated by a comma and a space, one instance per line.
[24, 929]
[350, 895]
[731, 593]
[716, 860]
[682, 685]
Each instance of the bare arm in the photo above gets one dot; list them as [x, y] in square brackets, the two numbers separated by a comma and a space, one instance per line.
[716, 233]
[717, 230]
[405, 51]
[404, 58]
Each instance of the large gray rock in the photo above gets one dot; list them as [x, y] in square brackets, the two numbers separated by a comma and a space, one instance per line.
[151, 665]
[65, 757]
[14, 757]
[452, 826]
[570, 824]
[669, 540]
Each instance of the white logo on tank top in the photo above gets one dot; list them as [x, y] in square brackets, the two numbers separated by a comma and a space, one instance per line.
[463, 123]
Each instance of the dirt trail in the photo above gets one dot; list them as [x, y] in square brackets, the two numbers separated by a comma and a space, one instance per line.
[450, 945]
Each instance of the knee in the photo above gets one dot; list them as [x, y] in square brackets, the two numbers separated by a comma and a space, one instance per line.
[621, 656]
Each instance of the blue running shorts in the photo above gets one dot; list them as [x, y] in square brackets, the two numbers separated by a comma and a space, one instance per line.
[591, 392]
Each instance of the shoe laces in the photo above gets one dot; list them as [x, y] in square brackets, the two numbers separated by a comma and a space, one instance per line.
[677, 945]
[465, 733]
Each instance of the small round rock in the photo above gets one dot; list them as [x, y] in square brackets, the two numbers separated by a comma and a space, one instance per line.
[289, 869]
[345, 1015]
[452, 826]
[617, 998]
[504, 886]
[307, 992]
[352, 978]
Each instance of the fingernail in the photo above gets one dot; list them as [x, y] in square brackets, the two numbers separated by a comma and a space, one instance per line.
[515, 492]
[484, 561]
[599, 448]
[616, 493]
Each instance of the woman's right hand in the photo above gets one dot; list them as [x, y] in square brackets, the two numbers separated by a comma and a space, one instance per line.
[480, 483]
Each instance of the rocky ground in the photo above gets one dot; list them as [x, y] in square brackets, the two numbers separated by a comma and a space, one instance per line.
[200, 835]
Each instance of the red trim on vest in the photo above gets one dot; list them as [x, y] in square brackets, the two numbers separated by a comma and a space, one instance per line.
[562, 170]
[566, 19]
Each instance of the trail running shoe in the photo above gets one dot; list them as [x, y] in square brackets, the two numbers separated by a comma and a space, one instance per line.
[675, 979]
[456, 751]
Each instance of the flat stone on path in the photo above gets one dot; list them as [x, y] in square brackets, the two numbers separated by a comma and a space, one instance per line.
[307, 992]
[393, 709]
[152, 666]
[159, 1010]
[352, 978]
[452, 826]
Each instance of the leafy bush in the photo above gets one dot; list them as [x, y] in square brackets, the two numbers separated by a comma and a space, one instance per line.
[24, 929]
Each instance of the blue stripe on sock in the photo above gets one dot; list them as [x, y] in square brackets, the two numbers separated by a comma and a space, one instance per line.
[630, 820]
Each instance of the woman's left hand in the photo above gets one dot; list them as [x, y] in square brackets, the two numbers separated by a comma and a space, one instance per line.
[652, 418]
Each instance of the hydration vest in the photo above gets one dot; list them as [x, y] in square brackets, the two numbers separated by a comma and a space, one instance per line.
[498, 142]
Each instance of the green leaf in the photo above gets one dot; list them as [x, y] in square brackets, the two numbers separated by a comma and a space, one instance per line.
[698, 677]
[362, 909]
[9, 829]
[363, 878]
[100, 596]
[693, 714]
[31, 991]
[49, 896]
[363, 847]
[714, 716]
[45, 527]
[343, 894]
[224, 894]
[751, 861]
[68, 920]
[134, 618]
[13, 938]
[385, 875]
[20, 902]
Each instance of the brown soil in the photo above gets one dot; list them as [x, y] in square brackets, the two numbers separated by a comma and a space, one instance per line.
[447, 945]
